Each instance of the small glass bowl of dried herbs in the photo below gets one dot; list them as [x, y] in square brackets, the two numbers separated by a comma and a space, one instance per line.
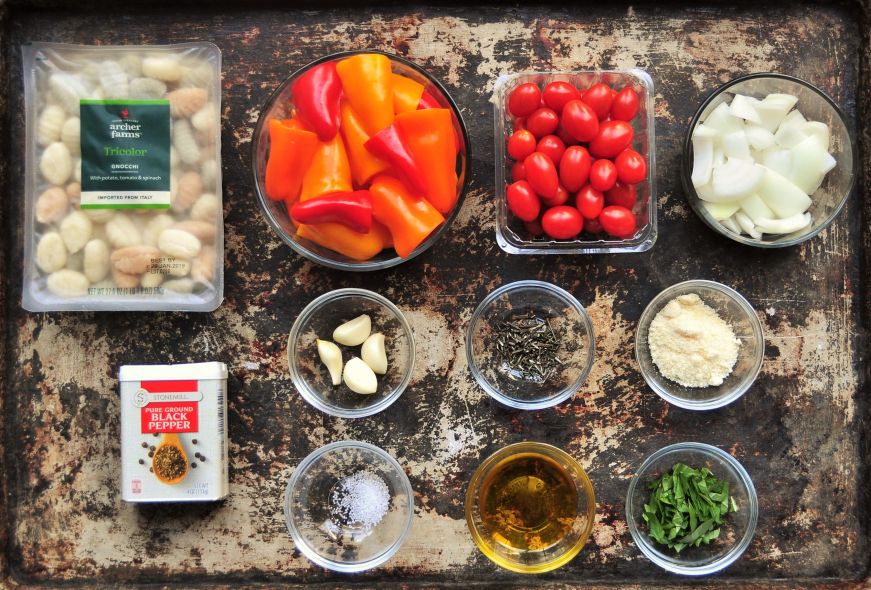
[692, 509]
[530, 345]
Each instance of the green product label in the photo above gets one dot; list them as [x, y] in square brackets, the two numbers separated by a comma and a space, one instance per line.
[125, 154]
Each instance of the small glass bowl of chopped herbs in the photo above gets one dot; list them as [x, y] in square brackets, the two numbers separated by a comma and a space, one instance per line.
[692, 509]
[530, 345]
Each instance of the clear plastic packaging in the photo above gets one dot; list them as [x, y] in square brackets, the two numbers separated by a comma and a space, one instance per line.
[123, 178]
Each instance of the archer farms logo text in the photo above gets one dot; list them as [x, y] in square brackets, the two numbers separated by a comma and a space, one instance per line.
[125, 127]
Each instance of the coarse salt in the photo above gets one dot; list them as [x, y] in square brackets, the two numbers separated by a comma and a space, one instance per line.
[361, 499]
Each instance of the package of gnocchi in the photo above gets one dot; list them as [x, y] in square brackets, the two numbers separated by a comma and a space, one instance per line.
[123, 178]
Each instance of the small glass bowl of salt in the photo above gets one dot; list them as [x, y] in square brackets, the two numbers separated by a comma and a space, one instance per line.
[348, 506]
[694, 364]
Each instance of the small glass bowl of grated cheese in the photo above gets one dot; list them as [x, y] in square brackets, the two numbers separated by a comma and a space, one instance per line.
[699, 345]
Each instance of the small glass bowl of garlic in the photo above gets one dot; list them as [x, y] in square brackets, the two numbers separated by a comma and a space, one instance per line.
[768, 160]
[351, 353]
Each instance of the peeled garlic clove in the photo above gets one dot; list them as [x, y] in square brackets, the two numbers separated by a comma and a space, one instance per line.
[374, 354]
[331, 357]
[359, 377]
[354, 332]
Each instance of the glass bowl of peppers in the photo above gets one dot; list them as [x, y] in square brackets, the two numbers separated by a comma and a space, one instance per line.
[575, 162]
[360, 160]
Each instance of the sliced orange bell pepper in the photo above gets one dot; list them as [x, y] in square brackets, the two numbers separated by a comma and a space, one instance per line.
[364, 165]
[344, 240]
[329, 171]
[410, 219]
[406, 94]
[429, 134]
[290, 152]
[367, 81]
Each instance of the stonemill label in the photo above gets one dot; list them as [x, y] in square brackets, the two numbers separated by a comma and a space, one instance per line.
[125, 154]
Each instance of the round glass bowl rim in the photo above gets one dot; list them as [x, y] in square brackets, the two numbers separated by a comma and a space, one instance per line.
[567, 391]
[298, 382]
[360, 266]
[686, 165]
[735, 552]
[543, 449]
[712, 404]
[307, 550]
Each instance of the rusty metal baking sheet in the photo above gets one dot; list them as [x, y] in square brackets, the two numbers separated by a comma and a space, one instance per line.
[802, 431]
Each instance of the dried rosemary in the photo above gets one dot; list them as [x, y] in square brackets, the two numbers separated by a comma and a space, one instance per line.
[529, 346]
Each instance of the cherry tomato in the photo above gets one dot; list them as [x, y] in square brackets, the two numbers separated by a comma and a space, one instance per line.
[625, 105]
[631, 167]
[599, 97]
[521, 144]
[523, 201]
[534, 228]
[618, 221]
[592, 226]
[589, 202]
[621, 194]
[603, 175]
[543, 121]
[542, 175]
[552, 147]
[564, 135]
[562, 223]
[561, 198]
[519, 124]
[580, 120]
[574, 167]
[518, 171]
[524, 99]
[613, 138]
[557, 94]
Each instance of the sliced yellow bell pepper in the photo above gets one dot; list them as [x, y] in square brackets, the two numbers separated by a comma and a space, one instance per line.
[410, 219]
[329, 171]
[344, 240]
[364, 165]
[291, 150]
[367, 81]
[406, 94]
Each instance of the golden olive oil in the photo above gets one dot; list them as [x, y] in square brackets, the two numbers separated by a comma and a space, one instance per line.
[528, 502]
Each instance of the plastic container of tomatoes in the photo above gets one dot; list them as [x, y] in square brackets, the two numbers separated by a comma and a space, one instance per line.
[513, 234]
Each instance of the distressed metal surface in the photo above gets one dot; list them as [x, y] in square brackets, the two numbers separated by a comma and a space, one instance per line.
[801, 431]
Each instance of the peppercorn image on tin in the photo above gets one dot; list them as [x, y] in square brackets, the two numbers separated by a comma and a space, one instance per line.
[173, 432]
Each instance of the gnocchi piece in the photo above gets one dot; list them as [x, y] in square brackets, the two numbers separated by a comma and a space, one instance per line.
[67, 90]
[132, 64]
[75, 229]
[77, 170]
[183, 286]
[51, 253]
[203, 230]
[155, 227]
[188, 190]
[178, 243]
[176, 267]
[203, 267]
[209, 172]
[71, 135]
[74, 193]
[99, 215]
[134, 260]
[162, 67]
[123, 280]
[185, 102]
[185, 143]
[50, 125]
[68, 283]
[56, 164]
[122, 232]
[205, 119]
[52, 205]
[151, 280]
[207, 208]
[96, 260]
[114, 80]
[196, 74]
[146, 88]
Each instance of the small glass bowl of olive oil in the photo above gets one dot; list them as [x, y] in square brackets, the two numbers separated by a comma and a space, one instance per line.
[530, 507]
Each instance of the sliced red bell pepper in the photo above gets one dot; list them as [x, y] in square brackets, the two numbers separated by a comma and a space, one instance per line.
[316, 96]
[406, 94]
[410, 220]
[344, 240]
[427, 101]
[429, 135]
[389, 145]
[329, 171]
[290, 152]
[363, 164]
[368, 85]
[352, 210]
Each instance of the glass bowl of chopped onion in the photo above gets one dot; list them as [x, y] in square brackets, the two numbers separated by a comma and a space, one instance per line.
[710, 527]
[349, 506]
[695, 361]
[530, 345]
[768, 160]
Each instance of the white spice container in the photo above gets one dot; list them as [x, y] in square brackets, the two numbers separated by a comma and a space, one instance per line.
[173, 432]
